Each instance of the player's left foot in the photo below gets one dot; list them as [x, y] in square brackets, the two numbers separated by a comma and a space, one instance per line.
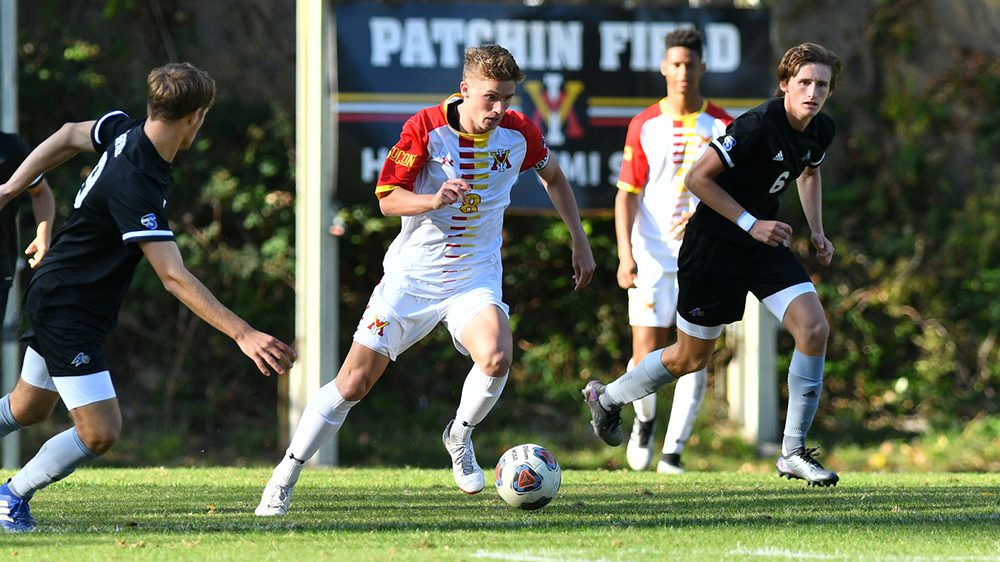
[670, 463]
[800, 464]
[274, 501]
[15, 515]
[468, 475]
[607, 424]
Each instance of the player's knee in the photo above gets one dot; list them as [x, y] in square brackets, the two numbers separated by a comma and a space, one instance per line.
[495, 364]
[352, 385]
[815, 333]
[99, 440]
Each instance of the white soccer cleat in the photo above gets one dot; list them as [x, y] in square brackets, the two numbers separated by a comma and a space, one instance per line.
[274, 501]
[639, 452]
[468, 475]
[801, 464]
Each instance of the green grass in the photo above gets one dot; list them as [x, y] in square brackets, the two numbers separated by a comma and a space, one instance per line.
[417, 514]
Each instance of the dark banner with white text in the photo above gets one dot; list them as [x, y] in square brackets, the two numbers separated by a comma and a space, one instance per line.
[589, 71]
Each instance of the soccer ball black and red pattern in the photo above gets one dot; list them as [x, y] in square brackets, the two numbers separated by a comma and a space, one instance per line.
[528, 476]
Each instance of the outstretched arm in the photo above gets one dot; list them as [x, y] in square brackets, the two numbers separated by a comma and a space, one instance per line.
[561, 194]
[701, 181]
[267, 352]
[43, 205]
[810, 185]
[70, 140]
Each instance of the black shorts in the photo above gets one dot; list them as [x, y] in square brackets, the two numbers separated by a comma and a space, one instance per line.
[68, 352]
[715, 275]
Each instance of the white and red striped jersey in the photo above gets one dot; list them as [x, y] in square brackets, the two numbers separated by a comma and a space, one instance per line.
[660, 149]
[448, 249]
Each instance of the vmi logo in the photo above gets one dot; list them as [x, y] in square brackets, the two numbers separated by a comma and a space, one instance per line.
[501, 159]
[402, 158]
[555, 106]
[378, 326]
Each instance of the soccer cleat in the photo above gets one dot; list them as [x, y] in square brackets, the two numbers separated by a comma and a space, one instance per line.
[670, 463]
[640, 445]
[607, 424]
[468, 475]
[274, 501]
[15, 515]
[800, 464]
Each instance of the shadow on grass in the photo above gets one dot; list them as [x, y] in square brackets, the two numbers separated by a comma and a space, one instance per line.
[747, 503]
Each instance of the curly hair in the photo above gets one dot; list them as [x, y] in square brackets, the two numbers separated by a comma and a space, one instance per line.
[686, 37]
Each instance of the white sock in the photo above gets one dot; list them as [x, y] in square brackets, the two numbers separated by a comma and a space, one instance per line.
[689, 391]
[320, 421]
[479, 394]
[645, 407]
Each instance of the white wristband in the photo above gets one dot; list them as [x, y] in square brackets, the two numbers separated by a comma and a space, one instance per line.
[746, 221]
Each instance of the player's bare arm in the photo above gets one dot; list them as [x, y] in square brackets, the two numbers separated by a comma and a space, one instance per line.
[267, 352]
[810, 186]
[404, 203]
[561, 194]
[701, 181]
[43, 206]
[70, 140]
[626, 207]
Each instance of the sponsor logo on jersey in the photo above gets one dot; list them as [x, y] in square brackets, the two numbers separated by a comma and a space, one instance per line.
[728, 143]
[119, 144]
[402, 157]
[501, 159]
[149, 221]
[806, 157]
[779, 157]
[377, 327]
[80, 359]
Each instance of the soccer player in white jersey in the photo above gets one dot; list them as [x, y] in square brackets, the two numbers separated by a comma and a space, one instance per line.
[449, 177]
[652, 209]
[118, 217]
[735, 245]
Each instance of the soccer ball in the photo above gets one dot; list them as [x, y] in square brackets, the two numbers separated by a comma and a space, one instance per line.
[528, 476]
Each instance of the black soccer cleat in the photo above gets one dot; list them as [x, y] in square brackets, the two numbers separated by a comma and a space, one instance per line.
[607, 424]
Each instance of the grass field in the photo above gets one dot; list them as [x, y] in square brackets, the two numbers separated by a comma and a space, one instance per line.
[417, 514]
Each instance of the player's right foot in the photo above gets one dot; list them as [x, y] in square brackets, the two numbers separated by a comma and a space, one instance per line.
[640, 444]
[607, 424]
[274, 501]
[670, 463]
[468, 475]
[15, 515]
[800, 464]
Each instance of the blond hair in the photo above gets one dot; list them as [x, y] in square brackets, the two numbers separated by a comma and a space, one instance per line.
[177, 89]
[492, 62]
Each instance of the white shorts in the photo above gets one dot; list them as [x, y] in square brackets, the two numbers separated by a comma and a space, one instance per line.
[75, 391]
[392, 323]
[653, 300]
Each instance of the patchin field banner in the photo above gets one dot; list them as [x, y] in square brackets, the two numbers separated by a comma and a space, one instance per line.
[589, 71]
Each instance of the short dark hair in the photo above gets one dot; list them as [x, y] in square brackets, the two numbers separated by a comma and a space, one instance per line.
[808, 53]
[686, 37]
[177, 89]
[492, 62]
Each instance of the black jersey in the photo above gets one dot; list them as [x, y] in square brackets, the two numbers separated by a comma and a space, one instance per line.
[763, 154]
[82, 280]
[13, 151]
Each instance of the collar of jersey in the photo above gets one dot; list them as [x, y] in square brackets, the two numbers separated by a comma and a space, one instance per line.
[456, 99]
